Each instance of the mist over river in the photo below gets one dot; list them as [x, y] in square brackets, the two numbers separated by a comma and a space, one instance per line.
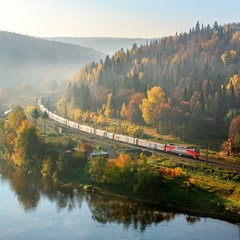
[32, 207]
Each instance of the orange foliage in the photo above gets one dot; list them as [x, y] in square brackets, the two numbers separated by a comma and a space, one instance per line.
[176, 172]
[123, 161]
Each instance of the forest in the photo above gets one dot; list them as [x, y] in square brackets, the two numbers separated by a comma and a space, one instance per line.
[186, 86]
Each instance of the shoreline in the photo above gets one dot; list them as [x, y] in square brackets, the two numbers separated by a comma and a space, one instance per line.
[154, 204]
[177, 196]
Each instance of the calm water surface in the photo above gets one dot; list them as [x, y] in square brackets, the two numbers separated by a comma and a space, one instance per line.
[32, 208]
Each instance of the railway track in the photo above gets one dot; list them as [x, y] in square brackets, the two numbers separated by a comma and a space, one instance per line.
[116, 147]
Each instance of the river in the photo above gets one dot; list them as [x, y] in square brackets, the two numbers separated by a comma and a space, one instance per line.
[34, 208]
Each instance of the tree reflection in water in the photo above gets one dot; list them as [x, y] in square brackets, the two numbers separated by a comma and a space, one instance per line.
[105, 209]
[192, 219]
[27, 191]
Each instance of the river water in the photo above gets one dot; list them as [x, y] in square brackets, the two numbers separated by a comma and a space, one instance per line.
[33, 208]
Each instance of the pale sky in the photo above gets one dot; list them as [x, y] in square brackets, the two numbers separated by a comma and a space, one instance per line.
[113, 18]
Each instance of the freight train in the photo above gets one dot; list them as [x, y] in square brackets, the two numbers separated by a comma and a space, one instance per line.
[184, 151]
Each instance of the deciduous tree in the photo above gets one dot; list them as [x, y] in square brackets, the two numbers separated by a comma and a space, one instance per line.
[234, 133]
[150, 105]
[134, 112]
[27, 146]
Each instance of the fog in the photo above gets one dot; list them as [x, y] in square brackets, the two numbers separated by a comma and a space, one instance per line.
[33, 60]
[36, 75]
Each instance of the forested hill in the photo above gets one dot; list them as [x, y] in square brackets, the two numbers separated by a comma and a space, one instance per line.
[108, 45]
[33, 60]
[185, 85]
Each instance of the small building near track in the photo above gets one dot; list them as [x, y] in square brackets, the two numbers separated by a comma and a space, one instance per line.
[96, 154]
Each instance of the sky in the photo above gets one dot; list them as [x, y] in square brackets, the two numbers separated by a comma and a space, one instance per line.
[113, 18]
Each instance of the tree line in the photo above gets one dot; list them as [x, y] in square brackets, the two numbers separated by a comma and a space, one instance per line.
[26, 146]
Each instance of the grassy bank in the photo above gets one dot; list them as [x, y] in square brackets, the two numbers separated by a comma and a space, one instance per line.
[199, 189]
[203, 195]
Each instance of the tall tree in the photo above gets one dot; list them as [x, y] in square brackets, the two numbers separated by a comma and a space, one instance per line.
[110, 106]
[27, 146]
[234, 133]
[44, 117]
[150, 105]
[35, 115]
[15, 118]
[134, 111]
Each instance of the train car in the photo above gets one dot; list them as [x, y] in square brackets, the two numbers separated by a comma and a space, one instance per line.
[109, 135]
[63, 120]
[42, 108]
[124, 138]
[53, 116]
[99, 132]
[86, 129]
[73, 124]
[142, 143]
[151, 145]
[183, 151]
[159, 147]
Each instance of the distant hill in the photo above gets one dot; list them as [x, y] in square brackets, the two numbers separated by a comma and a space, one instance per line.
[33, 60]
[104, 44]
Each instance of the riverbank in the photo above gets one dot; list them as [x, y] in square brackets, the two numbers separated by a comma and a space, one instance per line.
[199, 190]
[202, 192]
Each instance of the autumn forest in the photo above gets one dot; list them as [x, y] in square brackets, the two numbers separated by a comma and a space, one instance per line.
[186, 85]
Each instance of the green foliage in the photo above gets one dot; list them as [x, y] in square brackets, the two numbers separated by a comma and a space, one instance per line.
[148, 182]
[207, 170]
[126, 174]
[35, 114]
[44, 115]
[96, 169]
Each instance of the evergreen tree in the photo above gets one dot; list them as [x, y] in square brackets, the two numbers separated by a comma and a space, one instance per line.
[202, 102]
[35, 115]
[232, 100]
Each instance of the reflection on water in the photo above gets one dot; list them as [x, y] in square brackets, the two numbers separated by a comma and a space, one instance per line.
[32, 191]
[29, 188]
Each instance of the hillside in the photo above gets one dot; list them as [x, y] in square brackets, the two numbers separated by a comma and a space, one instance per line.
[185, 85]
[104, 44]
[33, 60]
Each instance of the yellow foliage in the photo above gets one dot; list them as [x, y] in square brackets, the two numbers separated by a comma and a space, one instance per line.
[46, 167]
[229, 56]
[236, 81]
[135, 62]
[156, 95]
[17, 156]
[149, 106]
[77, 114]
[141, 75]
[29, 109]
[15, 118]
[124, 160]
[145, 60]
[124, 111]
[235, 38]
[175, 172]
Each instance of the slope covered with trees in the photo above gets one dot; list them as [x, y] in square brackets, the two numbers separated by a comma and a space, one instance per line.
[107, 45]
[185, 85]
